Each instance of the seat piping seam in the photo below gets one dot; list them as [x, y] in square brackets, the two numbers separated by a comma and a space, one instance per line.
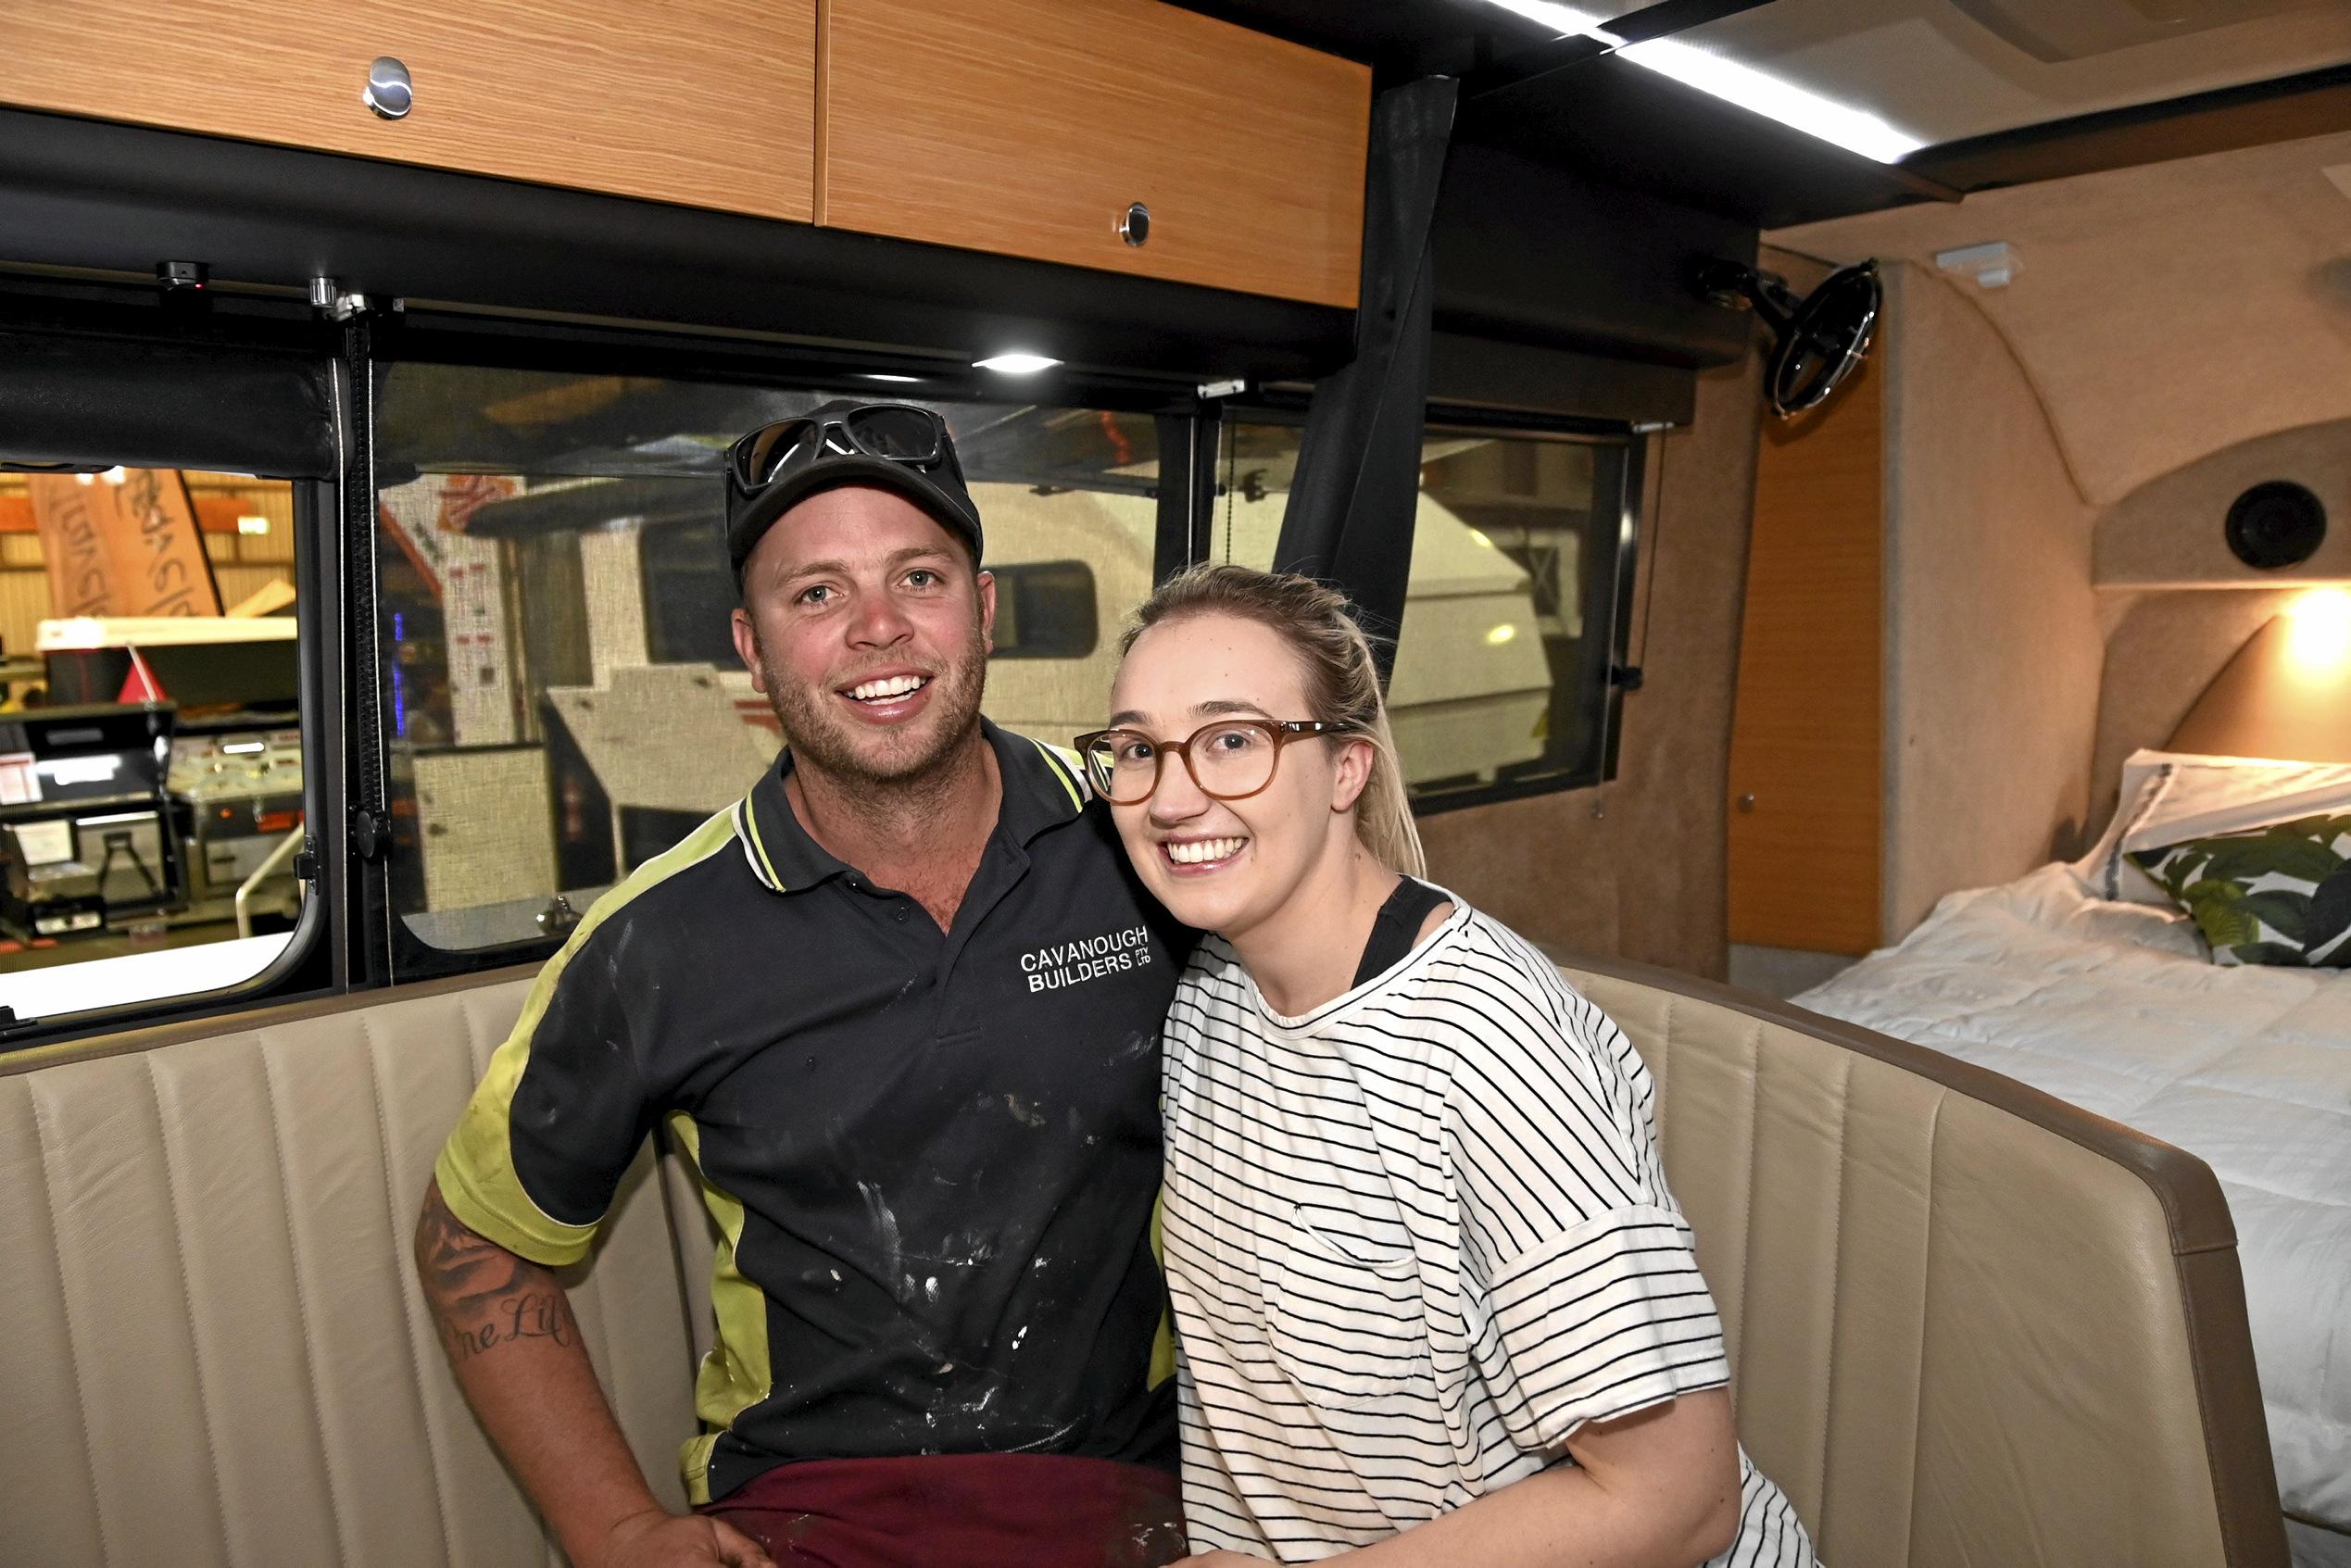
[65, 1304]
[187, 1302]
[301, 1301]
[1747, 1198]
[1926, 1316]
[1836, 1277]
[407, 1304]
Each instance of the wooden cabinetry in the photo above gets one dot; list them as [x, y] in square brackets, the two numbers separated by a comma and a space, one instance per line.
[1805, 736]
[1028, 127]
[709, 103]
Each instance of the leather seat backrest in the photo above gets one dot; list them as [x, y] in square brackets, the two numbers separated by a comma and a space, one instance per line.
[1967, 1323]
[215, 1350]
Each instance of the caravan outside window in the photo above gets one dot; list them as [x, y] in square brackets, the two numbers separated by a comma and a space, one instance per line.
[151, 763]
[1514, 615]
[562, 698]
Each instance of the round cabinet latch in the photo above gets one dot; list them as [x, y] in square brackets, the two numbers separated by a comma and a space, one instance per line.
[1136, 227]
[1747, 801]
[389, 92]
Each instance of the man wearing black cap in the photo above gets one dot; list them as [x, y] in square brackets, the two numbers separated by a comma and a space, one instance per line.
[900, 1008]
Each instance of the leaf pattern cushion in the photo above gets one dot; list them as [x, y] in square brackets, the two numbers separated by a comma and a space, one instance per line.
[2279, 895]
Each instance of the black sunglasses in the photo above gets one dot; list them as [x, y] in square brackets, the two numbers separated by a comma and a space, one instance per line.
[899, 432]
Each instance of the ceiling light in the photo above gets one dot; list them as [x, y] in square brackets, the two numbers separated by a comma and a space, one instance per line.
[1016, 363]
[253, 525]
[1500, 635]
[888, 376]
[1853, 129]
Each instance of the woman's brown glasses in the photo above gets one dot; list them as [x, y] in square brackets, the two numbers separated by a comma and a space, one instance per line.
[1230, 759]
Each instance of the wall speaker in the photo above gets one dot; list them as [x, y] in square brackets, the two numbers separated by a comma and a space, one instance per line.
[2274, 524]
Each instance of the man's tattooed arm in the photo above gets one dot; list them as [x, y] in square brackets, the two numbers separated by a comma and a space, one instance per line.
[482, 1295]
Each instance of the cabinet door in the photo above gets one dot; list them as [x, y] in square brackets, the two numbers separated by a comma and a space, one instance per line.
[708, 103]
[1028, 127]
[1804, 766]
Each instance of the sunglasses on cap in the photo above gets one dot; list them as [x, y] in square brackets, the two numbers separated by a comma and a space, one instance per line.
[898, 433]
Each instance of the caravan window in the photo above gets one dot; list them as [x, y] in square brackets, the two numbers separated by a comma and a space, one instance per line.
[553, 599]
[1515, 614]
[151, 766]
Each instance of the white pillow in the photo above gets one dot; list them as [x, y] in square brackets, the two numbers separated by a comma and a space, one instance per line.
[2170, 797]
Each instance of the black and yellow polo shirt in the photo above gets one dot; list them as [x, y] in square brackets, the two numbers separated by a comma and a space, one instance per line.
[932, 1156]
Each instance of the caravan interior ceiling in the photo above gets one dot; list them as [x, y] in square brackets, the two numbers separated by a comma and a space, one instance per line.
[1848, 503]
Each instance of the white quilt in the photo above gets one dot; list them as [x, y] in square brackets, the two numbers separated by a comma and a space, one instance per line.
[2116, 1008]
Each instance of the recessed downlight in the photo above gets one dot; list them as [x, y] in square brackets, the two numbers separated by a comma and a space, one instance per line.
[1016, 363]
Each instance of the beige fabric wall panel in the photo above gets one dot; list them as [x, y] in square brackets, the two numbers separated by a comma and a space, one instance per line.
[2163, 652]
[1959, 1333]
[222, 1355]
[1643, 877]
[1992, 650]
[2171, 532]
[2163, 311]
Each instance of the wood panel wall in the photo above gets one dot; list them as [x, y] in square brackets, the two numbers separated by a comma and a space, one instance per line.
[1808, 724]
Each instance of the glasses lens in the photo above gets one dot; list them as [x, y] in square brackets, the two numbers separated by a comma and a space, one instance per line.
[1232, 760]
[894, 431]
[1124, 765]
[765, 454]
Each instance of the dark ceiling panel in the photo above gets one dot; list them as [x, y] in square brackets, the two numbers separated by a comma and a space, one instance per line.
[1606, 118]
[1612, 120]
[2313, 104]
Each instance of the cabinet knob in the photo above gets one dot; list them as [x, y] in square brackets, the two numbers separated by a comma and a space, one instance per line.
[1747, 802]
[1135, 226]
[389, 92]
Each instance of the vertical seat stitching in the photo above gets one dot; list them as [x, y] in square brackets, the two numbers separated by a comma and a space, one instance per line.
[400, 1286]
[187, 1302]
[65, 1302]
[1926, 1302]
[1836, 1280]
[1747, 1199]
[302, 1302]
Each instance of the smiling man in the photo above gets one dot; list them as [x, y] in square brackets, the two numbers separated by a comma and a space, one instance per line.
[932, 1171]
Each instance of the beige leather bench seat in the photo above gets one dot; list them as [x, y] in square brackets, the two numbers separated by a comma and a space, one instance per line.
[1970, 1326]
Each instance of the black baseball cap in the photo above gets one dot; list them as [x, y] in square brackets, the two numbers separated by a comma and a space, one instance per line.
[901, 448]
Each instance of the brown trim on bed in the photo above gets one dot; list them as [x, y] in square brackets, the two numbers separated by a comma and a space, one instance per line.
[2204, 1240]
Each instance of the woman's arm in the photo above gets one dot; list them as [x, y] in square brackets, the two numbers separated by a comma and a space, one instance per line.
[1658, 1489]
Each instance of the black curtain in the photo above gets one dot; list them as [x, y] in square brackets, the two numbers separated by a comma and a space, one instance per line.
[1357, 487]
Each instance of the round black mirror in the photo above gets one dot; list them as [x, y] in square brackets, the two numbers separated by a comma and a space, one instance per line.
[1818, 340]
[2276, 524]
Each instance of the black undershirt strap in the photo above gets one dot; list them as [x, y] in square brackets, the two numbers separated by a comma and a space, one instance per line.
[1396, 926]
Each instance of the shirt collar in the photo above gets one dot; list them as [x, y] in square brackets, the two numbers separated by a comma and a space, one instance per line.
[1044, 786]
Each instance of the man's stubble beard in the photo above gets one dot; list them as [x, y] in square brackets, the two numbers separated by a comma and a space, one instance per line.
[824, 740]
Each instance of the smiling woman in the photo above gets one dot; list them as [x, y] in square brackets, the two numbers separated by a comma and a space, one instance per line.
[1413, 1184]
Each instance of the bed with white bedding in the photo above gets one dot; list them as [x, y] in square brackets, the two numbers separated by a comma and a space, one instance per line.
[2118, 1008]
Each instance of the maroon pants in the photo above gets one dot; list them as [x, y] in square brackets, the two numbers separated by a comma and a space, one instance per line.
[961, 1510]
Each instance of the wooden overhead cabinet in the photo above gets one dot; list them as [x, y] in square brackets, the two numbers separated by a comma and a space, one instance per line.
[708, 103]
[1034, 128]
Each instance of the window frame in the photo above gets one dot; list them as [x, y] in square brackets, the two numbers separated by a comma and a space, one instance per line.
[1605, 663]
[394, 954]
[312, 963]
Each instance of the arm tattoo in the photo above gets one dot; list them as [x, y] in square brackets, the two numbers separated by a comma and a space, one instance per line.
[482, 1295]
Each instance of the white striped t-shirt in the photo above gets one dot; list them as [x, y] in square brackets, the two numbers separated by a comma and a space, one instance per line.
[1414, 1239]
